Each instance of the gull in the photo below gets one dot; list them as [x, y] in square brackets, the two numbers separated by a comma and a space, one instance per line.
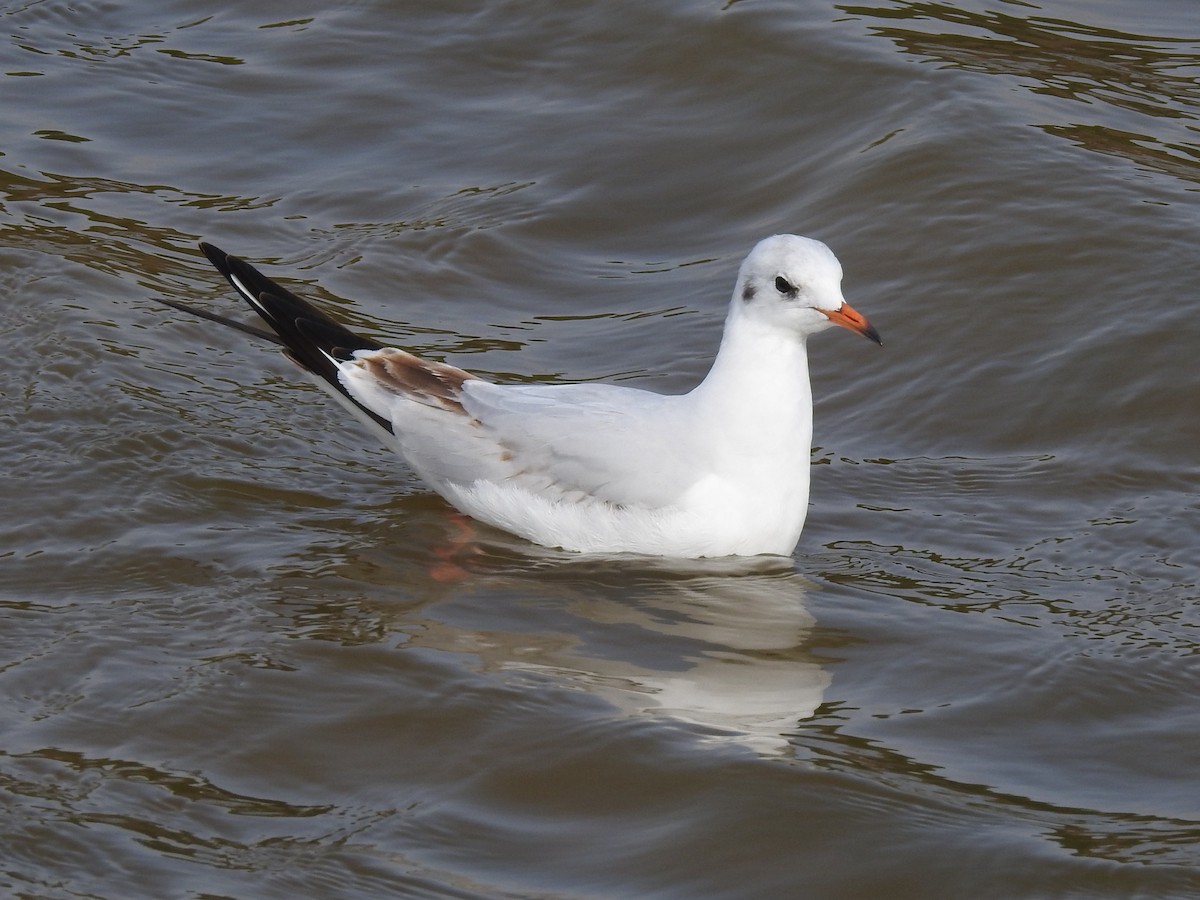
[722, 470]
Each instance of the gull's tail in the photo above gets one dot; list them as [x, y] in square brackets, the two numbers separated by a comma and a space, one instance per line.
[313, 340]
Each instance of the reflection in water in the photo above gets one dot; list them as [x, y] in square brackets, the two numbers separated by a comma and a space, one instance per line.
[730, 659]
[717, 644]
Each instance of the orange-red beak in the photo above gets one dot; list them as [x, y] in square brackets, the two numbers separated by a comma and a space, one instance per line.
[848, 317]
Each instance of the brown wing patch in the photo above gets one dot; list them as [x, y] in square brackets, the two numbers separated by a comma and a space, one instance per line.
[431, 383]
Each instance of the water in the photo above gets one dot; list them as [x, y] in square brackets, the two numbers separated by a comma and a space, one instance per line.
[244, 654]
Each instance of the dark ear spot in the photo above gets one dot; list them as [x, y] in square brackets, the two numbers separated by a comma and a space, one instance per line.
[748, 293]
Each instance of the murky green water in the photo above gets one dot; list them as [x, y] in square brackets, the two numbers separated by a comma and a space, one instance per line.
[244, 654]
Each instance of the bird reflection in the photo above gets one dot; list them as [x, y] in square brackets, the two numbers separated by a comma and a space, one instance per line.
[714, 644]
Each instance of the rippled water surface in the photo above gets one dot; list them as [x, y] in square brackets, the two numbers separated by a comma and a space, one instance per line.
[243, 653]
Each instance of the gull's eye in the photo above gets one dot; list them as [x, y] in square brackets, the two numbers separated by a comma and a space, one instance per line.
[784, 286]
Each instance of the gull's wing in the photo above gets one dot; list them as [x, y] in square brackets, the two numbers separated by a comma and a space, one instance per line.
[618, 444]
[574, 442]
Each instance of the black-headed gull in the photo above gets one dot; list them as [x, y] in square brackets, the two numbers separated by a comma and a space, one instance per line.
[722, 470]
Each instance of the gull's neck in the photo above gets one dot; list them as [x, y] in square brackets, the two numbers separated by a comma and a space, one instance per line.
[754, 412]
[758, 384]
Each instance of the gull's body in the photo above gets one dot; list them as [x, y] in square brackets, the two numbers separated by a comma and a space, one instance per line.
[721, 470]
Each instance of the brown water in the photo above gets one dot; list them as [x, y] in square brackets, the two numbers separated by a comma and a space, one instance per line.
[244, 654]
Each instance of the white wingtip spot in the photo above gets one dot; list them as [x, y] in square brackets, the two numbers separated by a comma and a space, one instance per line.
[337, 363]
[245, 291]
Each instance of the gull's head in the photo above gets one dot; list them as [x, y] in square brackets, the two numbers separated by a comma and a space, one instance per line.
[796, 283]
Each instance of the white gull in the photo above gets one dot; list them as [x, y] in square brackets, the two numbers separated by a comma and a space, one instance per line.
[722, 470]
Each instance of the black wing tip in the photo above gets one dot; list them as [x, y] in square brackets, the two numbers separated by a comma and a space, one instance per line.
[215, 255]
[245, 271]
[338, 342]
[313, 340]
[233, 266]
[302, 327]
